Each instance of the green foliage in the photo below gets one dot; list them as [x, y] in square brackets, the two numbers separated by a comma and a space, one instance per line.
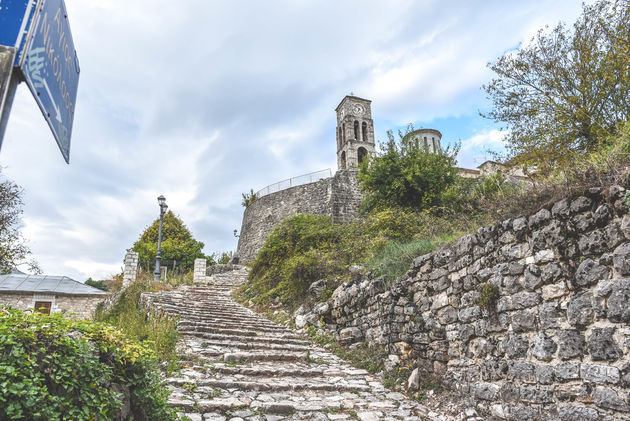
[177, 242]
[564, 92]
[66, 369]
[97, 284]
[406, 174]
[488, 295]
[301, 250]
[249, 198]
[395, 258]
[157, 331]
[360, 355]
[13, 251]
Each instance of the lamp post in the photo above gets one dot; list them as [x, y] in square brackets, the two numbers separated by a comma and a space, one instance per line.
[158, 256]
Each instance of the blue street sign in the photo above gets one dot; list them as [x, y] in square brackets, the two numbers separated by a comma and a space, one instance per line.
[15, 17]
[51, 69]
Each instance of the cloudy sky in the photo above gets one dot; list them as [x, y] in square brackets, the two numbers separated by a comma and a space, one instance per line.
[202, 100]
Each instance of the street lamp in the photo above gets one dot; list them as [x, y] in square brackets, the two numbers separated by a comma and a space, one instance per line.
[158, 256]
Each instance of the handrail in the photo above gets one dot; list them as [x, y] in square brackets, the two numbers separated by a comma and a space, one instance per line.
[294, 181]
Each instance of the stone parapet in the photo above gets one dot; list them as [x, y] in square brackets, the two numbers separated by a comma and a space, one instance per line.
[529, 316]
[337, 196]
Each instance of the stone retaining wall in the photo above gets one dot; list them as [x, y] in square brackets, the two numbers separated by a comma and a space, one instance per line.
[337, 196]
[553, 344]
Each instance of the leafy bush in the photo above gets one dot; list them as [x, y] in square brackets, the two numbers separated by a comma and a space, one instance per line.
[97, 284]
[302, 249]
[57, 368]
[156, 331]
[406, 174]
[177, 242]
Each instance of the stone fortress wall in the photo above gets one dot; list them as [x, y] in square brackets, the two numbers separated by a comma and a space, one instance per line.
[554, 344]
[337, 196]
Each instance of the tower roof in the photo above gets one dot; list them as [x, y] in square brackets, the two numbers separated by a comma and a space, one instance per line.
[353, 97]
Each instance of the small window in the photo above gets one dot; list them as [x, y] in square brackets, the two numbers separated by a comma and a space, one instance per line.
[43, 306]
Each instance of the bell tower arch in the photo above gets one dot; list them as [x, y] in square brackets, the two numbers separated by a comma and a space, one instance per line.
[355, 132]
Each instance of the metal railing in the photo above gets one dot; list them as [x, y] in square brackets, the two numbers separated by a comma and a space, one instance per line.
[295, 181]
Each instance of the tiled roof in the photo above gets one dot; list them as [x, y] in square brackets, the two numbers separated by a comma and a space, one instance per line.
[46, 284]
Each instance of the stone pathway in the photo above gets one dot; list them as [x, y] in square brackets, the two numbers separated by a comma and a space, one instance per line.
[245, 367]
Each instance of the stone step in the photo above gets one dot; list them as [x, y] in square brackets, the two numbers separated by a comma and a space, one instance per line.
[258, 339]
[272, 385]
[243, 332]
[253, 345]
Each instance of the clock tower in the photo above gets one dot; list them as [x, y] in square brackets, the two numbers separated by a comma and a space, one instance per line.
[355, 132]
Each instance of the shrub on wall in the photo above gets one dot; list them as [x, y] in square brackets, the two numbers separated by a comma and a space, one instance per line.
[57, 368]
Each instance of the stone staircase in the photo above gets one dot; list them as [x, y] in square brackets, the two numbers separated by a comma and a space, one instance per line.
[242, 366]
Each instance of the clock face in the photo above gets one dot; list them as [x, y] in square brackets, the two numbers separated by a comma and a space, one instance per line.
[358, 109]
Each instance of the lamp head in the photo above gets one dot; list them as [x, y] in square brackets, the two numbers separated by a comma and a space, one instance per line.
[162, 200]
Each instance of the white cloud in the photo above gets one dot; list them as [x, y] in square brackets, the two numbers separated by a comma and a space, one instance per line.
[201, 101]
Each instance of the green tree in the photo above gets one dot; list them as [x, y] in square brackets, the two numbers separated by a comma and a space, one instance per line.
[177, 242]
[406, 174]
[13, 250]
[567, 90]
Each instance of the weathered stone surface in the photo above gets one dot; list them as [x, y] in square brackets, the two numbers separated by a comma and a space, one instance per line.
[605, 397]
[571, 344]
[523, 321]
[590, 272]
[580, 204]
[539, 218]
[521, 370]
[560, 209]
[580, 310]
[574, 413]
[621, 259]
[532, 278]
[544, 347]
[600, 374]
[544, 374]
[567, 371]
[548, 314]
[602, 345]
[618, 309]
[515, 346]
[487, 391]
[350, 335]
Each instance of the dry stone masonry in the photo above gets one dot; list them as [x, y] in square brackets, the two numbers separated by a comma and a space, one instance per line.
[337, 196]
[131, 268]
[552, 344]
[244, 367]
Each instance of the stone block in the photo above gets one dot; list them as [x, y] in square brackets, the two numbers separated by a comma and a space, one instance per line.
[621, 259]
[350, 335]
[567, 371]
[515, 346]
[536, 394]
[575, 413]
[580, 204]
[544, 374]
[571, 344]
[521, 370]
[605, 397]
[590, 272]
[539, 218]
[548, 314]
[580, 310]
[602, 345]
[560, 209]
[543, 347]
[593, 373]
[553, 291]
[486, 391]
[523, 321]
[618, 309]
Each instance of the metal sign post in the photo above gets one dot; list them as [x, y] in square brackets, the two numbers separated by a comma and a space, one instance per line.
[47, 62]
[9, 80]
